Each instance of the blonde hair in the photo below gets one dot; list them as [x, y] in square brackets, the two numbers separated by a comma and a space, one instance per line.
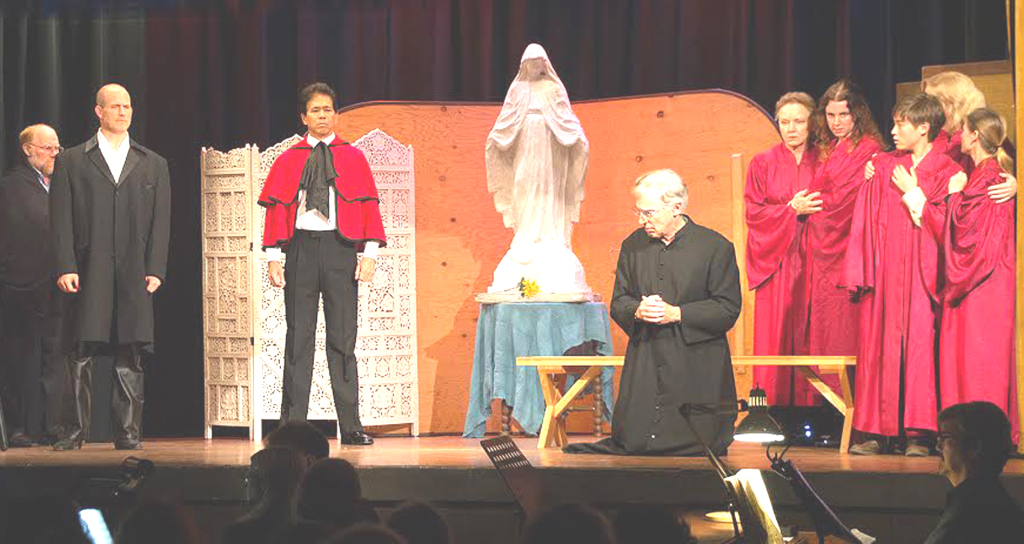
[958, 95]
[991, 129]
[803, 99]
[668, 185]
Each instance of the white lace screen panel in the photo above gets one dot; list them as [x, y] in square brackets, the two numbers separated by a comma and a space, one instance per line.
[227, 286]
[386, 344]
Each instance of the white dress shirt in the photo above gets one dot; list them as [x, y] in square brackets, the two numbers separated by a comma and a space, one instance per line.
[314, 220]
[114, 157]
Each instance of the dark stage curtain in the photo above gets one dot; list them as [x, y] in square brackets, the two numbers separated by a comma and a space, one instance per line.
[227, 73]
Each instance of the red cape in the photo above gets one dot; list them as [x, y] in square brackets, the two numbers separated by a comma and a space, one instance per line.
[357, 206]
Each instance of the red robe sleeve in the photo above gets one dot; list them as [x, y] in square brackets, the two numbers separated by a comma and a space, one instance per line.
[771, 224]
[863, 243]
[977, 231]
[933, 175]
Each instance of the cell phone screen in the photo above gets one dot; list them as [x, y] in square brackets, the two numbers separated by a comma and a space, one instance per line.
[94, 526]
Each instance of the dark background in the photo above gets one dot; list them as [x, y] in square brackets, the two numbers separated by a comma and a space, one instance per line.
[225, 73]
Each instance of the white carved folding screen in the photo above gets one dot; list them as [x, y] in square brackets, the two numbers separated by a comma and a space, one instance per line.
[244, 355]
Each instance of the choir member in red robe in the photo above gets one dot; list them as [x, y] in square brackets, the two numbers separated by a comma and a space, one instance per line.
[777, 205]
[894, 265]
[976, 342]
[959, 97]
[847, 139]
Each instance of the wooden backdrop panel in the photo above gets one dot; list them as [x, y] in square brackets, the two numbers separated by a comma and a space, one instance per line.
[461, 238]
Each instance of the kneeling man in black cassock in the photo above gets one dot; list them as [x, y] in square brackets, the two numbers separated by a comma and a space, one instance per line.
[677, 292]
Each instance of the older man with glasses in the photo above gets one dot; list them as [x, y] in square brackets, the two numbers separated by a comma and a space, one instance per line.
[32, 368]
[677, 292]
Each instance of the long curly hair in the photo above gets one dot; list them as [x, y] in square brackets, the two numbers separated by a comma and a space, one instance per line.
[863, 122]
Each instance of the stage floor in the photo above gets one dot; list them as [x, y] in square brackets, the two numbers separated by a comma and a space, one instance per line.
[462, 453]
[893, 497]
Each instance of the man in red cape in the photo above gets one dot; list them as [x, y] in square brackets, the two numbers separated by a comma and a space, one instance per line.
[777, 206]
[895, 266]
[847, 139]
[322, 208]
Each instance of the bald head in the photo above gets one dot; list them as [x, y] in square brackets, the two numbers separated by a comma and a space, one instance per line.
[114, 109]
[109, 91]
[40, 145]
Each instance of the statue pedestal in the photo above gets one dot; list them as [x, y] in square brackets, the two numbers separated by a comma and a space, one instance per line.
[553, 266]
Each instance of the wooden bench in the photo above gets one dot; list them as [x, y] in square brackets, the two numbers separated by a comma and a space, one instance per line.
[552, 432]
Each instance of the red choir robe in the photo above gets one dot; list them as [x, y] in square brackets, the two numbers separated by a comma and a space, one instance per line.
[830, 309]
[950, 145]
[895, 266]
[976, 342]
[357, 211]
[775, 267]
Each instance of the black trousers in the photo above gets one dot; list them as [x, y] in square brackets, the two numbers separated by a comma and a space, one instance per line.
[126, 392]
[321, 263]
[32, 360]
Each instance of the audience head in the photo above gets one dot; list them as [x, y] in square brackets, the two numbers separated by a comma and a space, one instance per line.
[367, 533]
[419, 523]
[916, 118]
[157, 522]
[843, 112]
[974, 440]
[793, 113]
[958, 96]
[651, 525]
[569, 524]
[303, 532]
[986, 129]
[302, 437]
[41, 520]
[330, 493]
[273, 477]
[41, 146]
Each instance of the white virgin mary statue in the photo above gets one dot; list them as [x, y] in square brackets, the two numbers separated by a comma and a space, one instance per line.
[536, 160]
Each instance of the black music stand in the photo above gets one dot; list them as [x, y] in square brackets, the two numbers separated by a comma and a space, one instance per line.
[521, 478]
[825, 521]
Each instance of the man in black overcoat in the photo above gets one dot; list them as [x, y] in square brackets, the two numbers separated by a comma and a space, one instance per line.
[32, 362]
[110, 211]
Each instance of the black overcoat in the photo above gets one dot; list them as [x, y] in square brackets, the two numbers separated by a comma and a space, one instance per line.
[26, 254]
[113, 235]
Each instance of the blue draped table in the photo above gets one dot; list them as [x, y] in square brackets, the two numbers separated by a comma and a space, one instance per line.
[522, 329]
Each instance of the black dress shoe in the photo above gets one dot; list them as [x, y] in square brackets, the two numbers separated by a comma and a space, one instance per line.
[65, 444]
[356, 438]
[21, 440]
[127, 444]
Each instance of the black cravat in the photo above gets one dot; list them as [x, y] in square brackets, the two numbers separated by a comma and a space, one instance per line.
[318, 170]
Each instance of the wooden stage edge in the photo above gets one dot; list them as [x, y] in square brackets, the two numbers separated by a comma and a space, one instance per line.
[450, 469]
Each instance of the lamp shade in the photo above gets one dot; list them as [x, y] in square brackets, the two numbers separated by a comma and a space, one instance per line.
[758, 426]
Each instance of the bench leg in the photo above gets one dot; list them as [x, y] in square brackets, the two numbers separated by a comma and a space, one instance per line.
[847, 390]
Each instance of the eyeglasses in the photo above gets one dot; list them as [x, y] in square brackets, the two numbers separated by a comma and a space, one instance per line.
[51, 149]
[647, 214]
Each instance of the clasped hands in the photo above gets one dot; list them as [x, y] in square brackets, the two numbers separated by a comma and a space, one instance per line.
[653, 309]
[365, 269]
